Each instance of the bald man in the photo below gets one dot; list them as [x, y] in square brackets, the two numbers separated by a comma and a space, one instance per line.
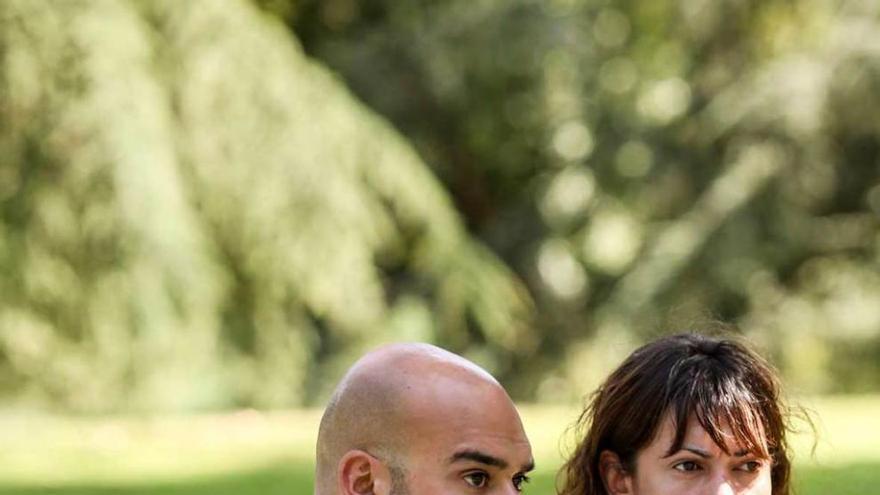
[415, 419]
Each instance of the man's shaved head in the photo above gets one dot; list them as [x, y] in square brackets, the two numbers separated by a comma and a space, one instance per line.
[399, 396]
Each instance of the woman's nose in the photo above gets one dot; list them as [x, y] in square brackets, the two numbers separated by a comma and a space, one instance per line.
[722, 485]
[510, 490]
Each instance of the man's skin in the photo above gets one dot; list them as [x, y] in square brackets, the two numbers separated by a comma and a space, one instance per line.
[415, 419]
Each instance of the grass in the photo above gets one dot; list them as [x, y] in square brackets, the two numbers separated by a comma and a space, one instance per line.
[252, 453]
[858, 479]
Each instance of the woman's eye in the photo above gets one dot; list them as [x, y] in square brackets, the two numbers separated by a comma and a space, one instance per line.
[519, 481]
[751, 466]
[477, 480]
[687, 466]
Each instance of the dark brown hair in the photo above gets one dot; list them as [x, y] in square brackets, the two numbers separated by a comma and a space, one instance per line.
[718, 381]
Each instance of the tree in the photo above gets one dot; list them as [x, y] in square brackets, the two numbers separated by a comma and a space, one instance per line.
[645, 166]
[195, 215]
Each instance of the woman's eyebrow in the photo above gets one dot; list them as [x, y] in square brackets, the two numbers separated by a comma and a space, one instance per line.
[690, 448]
[700, 452]
[706, 455]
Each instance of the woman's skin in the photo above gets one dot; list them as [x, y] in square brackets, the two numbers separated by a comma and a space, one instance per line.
[700, 467]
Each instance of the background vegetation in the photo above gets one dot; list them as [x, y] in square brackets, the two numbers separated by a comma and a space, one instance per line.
[645, 166]
[215, 205]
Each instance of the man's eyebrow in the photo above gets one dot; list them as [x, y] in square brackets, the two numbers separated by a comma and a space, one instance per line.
[477, 456]
[489, 460]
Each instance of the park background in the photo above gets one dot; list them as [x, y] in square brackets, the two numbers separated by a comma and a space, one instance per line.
[210, 208]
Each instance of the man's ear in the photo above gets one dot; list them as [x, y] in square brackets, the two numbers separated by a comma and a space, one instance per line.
[362, 474]
[615, 477]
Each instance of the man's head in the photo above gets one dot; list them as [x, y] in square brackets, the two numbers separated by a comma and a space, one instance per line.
[412, 419]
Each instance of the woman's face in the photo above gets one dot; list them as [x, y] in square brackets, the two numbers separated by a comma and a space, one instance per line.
[700, 467]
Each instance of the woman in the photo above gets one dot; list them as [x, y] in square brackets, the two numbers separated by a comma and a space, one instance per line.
[683, 415]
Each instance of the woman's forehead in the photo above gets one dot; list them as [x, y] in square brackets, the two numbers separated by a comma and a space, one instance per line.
[692, 433]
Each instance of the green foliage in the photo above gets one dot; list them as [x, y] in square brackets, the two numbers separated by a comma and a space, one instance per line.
[194, 215]
[646, 165]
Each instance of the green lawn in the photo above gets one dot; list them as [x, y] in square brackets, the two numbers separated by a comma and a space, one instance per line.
[858, 479]
[269, 454]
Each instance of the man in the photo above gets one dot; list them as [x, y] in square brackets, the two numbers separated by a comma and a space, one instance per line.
[415, 419]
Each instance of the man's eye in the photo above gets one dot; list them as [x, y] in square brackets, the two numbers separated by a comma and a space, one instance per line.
[687, 466]
[477, 479]
[520, 480]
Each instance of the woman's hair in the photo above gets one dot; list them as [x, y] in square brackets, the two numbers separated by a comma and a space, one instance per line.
[720, 382]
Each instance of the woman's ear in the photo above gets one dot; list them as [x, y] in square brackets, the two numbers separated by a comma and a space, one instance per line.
[362, 474]
[615, 477]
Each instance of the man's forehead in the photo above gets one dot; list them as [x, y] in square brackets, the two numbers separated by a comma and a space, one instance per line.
[495, 430]
[450, 392]
[443, 408]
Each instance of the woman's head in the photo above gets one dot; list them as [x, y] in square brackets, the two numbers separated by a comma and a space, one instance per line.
[687, 412]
